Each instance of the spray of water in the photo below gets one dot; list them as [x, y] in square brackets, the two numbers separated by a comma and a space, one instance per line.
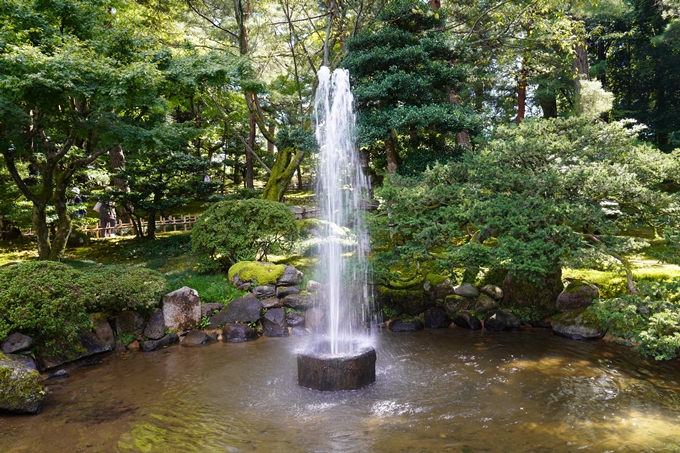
[342, 188]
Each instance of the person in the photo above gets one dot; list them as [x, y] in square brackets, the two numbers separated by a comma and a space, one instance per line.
[80, 213]
[107, 217]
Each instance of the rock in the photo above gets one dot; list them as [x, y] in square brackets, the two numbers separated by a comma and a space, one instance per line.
[467, 290]
[246, 309]
[436, 318]
[315, 320]
[102, 329]
[542, 324]
[298, 301]
[410, 301]
[299, 331]
[578, 324]
[263, 292]
[182, 309]
[207, 310]
[272, 302]
[577, 294]
[465, 320]
[295, 319]
[60, 374]
[21, 388]
[274, 323]
[26, 360]
[255, 273]
[129, 322]
[454, 303]
[541, 298]
[315, 287]
[89, 345]
[236, 333]
[399, 325]
[485, 304]
[442, 290]
[134, 346]
[152, 345]
[196, 338]
[283, 291]
[17, 342]
[243, 286]
[290, 277]
[493, 291]
[155, 328]
[500, 320]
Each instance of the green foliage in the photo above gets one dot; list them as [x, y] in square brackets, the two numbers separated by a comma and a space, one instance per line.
[210, 288]
[650, 320]
[43, 300]
[256, 272]
[112, 289]
[232, 231]
[205, 322]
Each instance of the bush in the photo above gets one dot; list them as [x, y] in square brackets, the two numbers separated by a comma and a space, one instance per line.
[44, 300]
[650, 320]
[112, 289]
[242, 230]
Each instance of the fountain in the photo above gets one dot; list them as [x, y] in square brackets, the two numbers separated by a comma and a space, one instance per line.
[344, 358]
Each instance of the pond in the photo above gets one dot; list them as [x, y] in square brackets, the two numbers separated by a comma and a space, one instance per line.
[436, 390]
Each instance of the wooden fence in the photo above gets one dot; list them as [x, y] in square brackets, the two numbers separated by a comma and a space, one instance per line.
[163, 224]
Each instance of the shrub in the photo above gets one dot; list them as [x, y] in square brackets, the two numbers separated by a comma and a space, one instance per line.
[232, 231]
[44, 300]
[112, 289]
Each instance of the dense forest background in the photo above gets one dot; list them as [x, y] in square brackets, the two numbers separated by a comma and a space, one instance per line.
[154, 104]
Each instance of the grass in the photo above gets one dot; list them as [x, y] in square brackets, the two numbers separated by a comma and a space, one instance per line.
[211, 288]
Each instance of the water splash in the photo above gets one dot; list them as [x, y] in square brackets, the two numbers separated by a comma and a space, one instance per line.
[342, 190]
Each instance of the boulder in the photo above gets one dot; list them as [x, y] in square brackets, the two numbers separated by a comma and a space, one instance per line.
[493, 291]
[155, 328]
[25, 359]
[263, 292]
[272, 302]
[283, 291]
[102, 329]
[454, 303]
[299, 331]
[412, 302]
[246, 309]
[88, 346]
[237, 333]
[290, 277]
[298, 301]
[59, 374]
[21, 388]
[577, 294]
[467, 290]
[315, 320]
[295, 319]
[196, 338]
[17, 342]
[152, 345]
[207, 310]
[436, 318]
[500, 320]
[485, 304]
[274, 323]
[315, 287]
[182, 309]
[129, 323]
[465, 320]
[255, 273]
[241, 285]
[578, 324]
[399, 325]
[540, 298]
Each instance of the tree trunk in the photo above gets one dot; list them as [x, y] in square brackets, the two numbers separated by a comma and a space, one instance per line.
[521, 96]
[42, 231]
[270, 146]
[118, 163]
[391, 152]
[580, 67]
[63, 229]
[249, 157]
[548, 101]
[283, 171]
[151, 225]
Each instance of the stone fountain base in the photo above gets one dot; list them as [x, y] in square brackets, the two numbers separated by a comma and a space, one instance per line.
[318, 369]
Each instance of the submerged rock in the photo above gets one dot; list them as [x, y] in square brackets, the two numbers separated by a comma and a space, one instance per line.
[182, 309]
[152, 345]
[60, 374]
[196, 338]
[21, 388]
[237, 333]
[500, 320]
[465, 320]
[399, 325]
[88, 345]
[436, 318]
[578, 325]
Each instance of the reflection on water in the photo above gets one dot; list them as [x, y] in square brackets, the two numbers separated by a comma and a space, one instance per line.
[449, 390]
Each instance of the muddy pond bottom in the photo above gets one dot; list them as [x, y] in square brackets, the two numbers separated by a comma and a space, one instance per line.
[446, 390]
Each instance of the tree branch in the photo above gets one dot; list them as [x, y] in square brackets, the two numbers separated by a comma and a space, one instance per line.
[624, 261]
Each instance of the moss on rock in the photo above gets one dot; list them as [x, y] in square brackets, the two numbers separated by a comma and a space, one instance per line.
[21, 388]
[259, 273]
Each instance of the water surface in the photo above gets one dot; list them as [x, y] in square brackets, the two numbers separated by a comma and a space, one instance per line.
[447, 390]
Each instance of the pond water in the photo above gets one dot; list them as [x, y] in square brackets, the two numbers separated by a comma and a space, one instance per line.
[436, 390]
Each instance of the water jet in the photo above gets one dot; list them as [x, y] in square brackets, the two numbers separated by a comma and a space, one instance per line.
[343, 359]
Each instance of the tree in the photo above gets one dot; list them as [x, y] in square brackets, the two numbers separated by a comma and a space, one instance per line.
[404, 72]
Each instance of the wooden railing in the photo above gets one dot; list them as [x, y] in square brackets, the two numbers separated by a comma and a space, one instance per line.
[163, 225]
